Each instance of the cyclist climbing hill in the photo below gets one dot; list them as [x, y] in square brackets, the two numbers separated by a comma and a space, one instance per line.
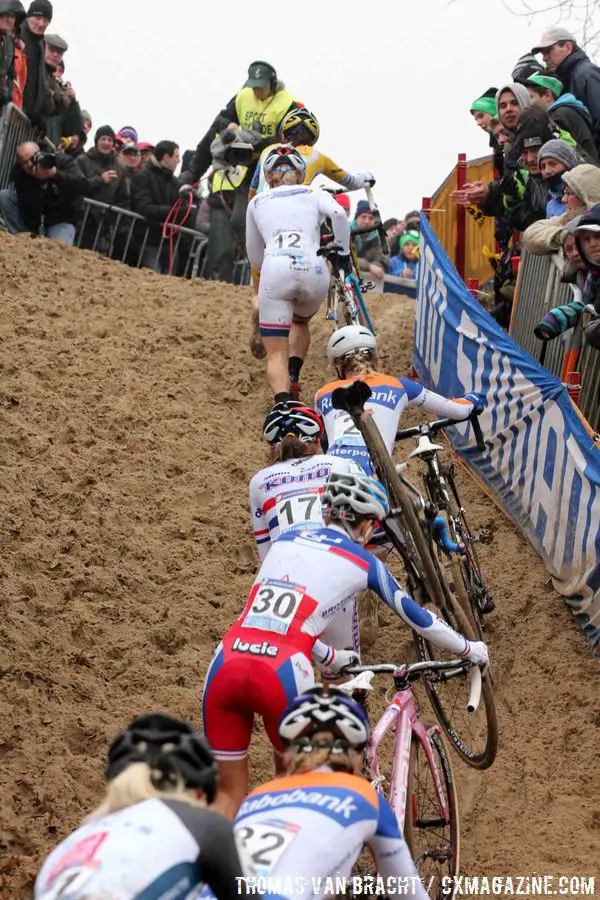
[304, 590]
[300, 128]
[325, 812]
[286, 495]
[282, 240]
[353, 352]
[152, 834]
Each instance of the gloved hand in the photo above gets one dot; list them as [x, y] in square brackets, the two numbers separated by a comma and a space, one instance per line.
[478, 653]
[478, 400]
[343, 262]
[367, 177]
[333, 667]
[185, 189]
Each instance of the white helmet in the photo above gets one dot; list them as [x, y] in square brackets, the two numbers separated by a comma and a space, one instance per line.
[348, 339]
[284, 154]
[344, 495]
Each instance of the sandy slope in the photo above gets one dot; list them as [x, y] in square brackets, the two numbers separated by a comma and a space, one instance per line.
[130, 413]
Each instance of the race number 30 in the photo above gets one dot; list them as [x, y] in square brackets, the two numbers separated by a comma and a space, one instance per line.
[274, 607]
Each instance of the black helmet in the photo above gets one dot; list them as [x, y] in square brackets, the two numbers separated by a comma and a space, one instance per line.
[169, 745]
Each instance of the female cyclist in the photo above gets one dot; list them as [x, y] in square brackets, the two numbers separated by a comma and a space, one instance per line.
[326, 812]
[152, 835]
[352, 350]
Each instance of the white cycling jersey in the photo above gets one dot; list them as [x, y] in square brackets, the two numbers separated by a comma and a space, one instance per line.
[390, 397]
[286, 221]
[286, 496]
[301, 829]
[156, 848]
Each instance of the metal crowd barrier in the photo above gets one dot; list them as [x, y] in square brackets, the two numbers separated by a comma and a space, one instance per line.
[538, 290]
[15, 128]
[123, 235]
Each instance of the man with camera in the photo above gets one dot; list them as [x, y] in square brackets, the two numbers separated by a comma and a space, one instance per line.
[68, 119]
[47, 194]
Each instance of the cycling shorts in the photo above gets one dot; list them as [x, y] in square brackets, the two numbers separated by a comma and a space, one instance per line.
[240, 686]
[289, 287]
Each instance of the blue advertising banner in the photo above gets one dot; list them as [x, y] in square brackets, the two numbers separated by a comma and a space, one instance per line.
[541, 463]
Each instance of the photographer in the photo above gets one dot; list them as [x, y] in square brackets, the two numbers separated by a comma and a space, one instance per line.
[232, 152]
[68, 120]
[48, 191]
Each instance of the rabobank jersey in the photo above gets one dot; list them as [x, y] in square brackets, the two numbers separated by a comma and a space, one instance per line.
[287, 496]
[286, 221]
[153, 849]
[301, 829]
[390, 397]
[316, 164]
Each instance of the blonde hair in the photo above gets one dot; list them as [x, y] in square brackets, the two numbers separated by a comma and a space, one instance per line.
[358, 364]
[135, 784]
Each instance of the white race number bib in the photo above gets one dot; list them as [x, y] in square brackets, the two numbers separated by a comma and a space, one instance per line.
[262, 845]
[299, 508]
[274, 606]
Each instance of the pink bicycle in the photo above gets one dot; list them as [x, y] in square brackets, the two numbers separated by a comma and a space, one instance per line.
[416, 775]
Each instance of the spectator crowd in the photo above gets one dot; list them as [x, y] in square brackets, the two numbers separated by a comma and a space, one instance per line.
[543, 128]
[70, 161]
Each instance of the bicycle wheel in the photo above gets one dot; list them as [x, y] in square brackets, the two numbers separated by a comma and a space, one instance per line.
[473, 735]
[431, 831]
[415, 547]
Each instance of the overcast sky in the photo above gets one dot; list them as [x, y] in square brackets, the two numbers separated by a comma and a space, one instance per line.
[391, 89]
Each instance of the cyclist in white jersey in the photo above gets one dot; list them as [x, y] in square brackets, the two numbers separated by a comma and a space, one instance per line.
[306, 582]
[153, 835]
[282, 240]
[286, 495]
[353, 352]
[314, 822]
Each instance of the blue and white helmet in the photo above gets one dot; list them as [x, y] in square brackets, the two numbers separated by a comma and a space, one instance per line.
[322, 709]
[347, 495]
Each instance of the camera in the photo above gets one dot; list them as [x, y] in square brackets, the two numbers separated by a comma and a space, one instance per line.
[44, 159]
[239, 153]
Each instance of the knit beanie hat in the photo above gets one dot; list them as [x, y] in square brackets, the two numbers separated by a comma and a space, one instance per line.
[561, 152]
[520, 92]
[548, 83]
[526, 66]
[558, 320]
[41, 8]
[409, 237]
[484, 105]
[362, 207]
[104, 131]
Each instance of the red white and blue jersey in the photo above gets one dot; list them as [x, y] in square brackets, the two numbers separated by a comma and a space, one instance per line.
[390, 397]
[302, 829]
[287, 496]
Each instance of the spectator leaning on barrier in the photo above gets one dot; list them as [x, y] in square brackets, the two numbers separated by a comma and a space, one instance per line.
[554, 159]
[567, 315]
[568, 112]
[68, 121]
[578, 74]
[371, 258]
[404, 264]
[48, 191]
[581, 192]
[37, 98]
[154, 190]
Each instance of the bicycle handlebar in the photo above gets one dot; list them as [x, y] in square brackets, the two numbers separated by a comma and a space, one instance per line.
[416, 670]
[427, 428]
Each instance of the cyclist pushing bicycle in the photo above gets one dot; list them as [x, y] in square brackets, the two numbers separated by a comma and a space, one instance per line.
[352, 350]
[282, 240]
[325, 812]
[302, 608]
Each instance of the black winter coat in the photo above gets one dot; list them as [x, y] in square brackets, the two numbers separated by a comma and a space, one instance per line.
[38, 96]
[92, 165]
[154, 190]
[581, 77]
[57, 200]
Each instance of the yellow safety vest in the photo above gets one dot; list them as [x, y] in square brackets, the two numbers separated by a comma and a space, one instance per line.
[228, 179]
[262, 115]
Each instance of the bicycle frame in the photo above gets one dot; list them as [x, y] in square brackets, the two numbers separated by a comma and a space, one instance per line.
[402, 714]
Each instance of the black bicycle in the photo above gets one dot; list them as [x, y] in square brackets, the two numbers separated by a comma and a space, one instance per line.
[414, 530]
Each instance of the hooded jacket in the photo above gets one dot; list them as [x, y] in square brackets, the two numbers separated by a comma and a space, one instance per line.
[573, 116]
[545, 236]
[581, 77]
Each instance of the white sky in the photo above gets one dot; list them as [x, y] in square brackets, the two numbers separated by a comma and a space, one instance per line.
[391, 83]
